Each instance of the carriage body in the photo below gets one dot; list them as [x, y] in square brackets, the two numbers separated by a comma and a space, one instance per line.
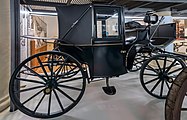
[97, 38]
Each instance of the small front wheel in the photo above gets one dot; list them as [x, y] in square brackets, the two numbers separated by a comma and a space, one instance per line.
[157, 74]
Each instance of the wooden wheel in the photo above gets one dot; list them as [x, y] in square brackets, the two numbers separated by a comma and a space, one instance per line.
[176, 102]
[50, 87]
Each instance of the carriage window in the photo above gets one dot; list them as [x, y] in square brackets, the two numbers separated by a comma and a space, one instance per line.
[107, 21]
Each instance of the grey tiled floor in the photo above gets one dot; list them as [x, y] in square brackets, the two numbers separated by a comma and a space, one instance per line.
[131, 102]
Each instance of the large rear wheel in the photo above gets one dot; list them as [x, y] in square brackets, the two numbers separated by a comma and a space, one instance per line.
[47, 84]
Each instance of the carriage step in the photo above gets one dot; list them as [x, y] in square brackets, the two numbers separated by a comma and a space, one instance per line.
[110, 90]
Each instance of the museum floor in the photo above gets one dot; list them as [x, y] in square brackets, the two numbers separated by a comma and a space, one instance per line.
[131, 102]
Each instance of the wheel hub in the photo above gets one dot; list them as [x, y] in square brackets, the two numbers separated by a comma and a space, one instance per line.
[50, 85]
[163, 76]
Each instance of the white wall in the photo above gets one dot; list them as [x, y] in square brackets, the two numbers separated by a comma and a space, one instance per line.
[5, 55]
[52, 26]
[52, 29]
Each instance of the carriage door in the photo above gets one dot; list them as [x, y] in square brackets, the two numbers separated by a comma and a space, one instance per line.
[108, 61]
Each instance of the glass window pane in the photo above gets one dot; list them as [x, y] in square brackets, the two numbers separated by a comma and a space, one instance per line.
[112, 26]
[99, 29]
[107, 21]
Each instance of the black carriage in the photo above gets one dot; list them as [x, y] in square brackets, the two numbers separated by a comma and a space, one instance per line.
[96, 37]
[91, 45]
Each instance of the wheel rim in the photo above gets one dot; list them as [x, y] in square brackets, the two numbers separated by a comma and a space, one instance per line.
[183, 109]
[158, 73]
[180, 110]
[51, 84]
[176, 102]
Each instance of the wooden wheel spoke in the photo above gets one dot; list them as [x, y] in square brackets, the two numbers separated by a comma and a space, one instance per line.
[35, 67]
[154, 87]
[164, 65]
[67, 73]
[58, 71]
[71, 71]
[62, 66]
[31, 74]
[66, 64]
[28, 89]
[40, 62]
[152, 69]
[32, 97]
[52, 66]
[35, 73]
[151, 80]
[167, 84]
[49, 105]
[58, 99]
[66, 95]
[150, 74]
[161, 89]
[158, 65]
[171, 65]
[71, 67]
[49, 62]
[175, 71]
[39, 103]
[69, 87]
[28, 80]
[175, 64]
